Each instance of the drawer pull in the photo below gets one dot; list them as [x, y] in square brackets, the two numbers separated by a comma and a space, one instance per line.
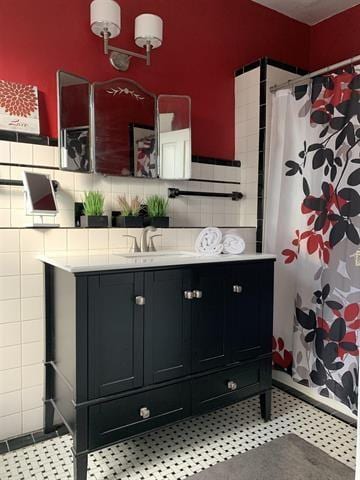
[140, 300]
[232, 385]
[188, 294]
[237, 288]
[144, 412]
[197, 294]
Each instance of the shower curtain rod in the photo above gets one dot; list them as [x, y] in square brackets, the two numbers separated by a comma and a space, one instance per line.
[309, 76]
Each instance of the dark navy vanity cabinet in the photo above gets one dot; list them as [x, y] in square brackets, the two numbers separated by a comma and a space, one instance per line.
[129, 350]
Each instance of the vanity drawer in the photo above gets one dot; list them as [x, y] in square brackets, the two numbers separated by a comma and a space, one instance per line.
[134, 414]
[224, 388]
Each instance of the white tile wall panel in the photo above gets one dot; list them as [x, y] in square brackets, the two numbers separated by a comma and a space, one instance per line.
[247, 118]
[10, 334]
[43, 155]
[10, 380]
[10, 357]
[32, 375]
[9, 264]
[32, 353]
[10, 426]
[32, 331]
[21, 153]
[9, 287]
[5, 152]
[32, 307]
[32, 420]
[10, 310]
[32, 397]
[10, 403]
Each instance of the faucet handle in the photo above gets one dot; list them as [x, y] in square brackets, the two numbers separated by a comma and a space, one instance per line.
[152, 247]
[134, 247]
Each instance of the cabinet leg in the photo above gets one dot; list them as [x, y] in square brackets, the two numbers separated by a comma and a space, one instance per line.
[265, 405]
[49, 418]
[80, 466]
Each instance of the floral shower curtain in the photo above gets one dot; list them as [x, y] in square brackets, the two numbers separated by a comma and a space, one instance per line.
[312, 224]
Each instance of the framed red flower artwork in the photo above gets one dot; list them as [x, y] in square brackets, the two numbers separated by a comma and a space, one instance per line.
[19, 107]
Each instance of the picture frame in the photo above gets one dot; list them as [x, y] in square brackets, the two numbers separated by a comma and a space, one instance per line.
[19, 107]
[75, 153]
[142, 140]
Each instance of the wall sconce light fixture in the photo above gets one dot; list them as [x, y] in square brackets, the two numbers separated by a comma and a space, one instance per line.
[105, 21]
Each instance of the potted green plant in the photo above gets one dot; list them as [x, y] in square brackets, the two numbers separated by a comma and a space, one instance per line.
[130, 213]
[93, 211]
[157, 210]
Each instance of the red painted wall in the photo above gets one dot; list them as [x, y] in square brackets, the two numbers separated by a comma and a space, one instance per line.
[204, 41]
[335, 39]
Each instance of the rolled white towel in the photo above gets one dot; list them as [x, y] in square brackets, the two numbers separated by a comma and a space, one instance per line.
[233, 245]
[209, 241]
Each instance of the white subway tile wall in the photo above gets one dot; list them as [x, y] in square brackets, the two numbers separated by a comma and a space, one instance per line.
[183, 211]
[22, 307]
[247, 118]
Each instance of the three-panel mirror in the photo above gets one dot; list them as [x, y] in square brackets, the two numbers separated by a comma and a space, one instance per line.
[119, 128]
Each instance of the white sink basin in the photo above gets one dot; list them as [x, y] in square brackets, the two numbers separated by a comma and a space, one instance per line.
[156, 255]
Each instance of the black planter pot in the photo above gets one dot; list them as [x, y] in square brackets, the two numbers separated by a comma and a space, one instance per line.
[129, 222]
[93, 221]
[159, 222]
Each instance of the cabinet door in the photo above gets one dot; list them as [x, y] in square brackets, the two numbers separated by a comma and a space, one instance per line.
[167, 325]
[250, 297]
[115, 333]
[209, 323]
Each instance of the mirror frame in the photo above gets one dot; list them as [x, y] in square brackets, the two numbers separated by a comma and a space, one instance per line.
[60, 130]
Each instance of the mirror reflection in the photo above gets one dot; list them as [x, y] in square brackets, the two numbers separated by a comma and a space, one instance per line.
[124, 135]
[73, 122]
[174, 123]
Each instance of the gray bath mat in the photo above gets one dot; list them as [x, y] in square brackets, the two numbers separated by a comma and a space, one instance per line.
[286, 458]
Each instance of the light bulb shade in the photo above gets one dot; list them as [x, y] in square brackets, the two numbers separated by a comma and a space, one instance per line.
[105, 14]
[148, 28]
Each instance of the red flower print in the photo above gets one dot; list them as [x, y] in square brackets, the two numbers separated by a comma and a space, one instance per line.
[17, 99]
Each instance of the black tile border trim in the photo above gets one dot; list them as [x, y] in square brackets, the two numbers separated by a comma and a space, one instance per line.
[263, 62]
[216, 161]
[321, 406]
[28, 138]
[287, 67]
[247, 68]
[32, 438]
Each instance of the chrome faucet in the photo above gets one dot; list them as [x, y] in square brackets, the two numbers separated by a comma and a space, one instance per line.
[144, 244]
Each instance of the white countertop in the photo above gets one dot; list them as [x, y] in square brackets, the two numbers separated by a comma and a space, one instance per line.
[73, 262]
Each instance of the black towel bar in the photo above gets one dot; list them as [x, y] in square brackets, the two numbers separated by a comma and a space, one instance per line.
[175, 192]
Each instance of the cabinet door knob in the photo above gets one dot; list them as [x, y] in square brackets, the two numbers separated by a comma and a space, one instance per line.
[144, 412]
[232, 385]
[139, 300]
[188, 294]
[197, 294]
[237, 288]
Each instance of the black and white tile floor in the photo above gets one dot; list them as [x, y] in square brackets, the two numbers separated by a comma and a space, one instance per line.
[180, 450]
